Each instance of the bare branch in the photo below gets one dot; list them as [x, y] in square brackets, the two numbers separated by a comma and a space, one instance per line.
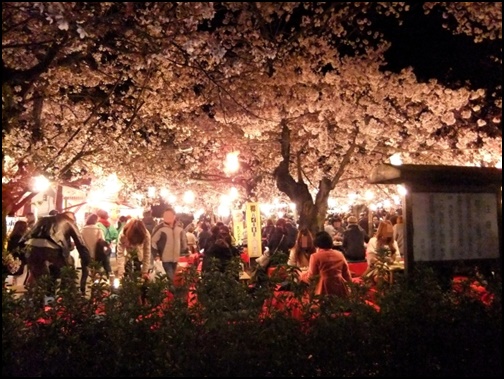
[74, 134]
[299, 166]
[10, 75]
[76, 158]
[346, 160]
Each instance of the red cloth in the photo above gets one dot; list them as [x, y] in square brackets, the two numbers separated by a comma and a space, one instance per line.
[285, 302]
[278, 271]
[357, 268]
[245, 257]
[104, 221]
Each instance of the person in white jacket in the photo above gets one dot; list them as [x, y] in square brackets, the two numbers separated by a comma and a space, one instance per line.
[168, 241]
[134, 249]
[383, 239]
[91, 234]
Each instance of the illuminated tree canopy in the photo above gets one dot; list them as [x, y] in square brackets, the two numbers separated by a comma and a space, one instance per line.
[308, 93]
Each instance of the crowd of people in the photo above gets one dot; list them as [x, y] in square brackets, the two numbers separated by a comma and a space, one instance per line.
[139, 244]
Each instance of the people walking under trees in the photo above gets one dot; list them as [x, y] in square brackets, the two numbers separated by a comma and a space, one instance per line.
[364, 223]
[267, 230]
[30, 219]
[49, 243]
[226, 235]
[214, 236]
[109, 231]
[16, 246]
[121, 221]
[220, 254]
[292, 233]
[91, 234]
[134, 249]
[203, 236]
[278, 241]
[192, 241]
[168, 242]
[149, 221]
[375, 221]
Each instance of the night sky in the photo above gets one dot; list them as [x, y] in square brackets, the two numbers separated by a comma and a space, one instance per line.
[434, 52]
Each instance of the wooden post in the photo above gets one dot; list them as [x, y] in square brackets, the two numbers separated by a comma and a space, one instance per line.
[370, 223]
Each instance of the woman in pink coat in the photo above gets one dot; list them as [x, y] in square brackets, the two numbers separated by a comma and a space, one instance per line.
[330, 266]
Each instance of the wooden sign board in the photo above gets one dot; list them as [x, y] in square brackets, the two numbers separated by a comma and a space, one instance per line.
[454, 226]
[452, 213]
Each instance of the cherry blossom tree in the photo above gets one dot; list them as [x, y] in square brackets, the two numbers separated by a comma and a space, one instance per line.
[159, 93]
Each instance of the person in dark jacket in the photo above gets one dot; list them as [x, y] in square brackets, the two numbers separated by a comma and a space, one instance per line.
[221, 251]
[149, 221]
[292, 234]
[214, 236]
[16, 246]
[354, 238]
[364, 223]
[266, 231]
[50, 241]
[278, 238]
[203, 236]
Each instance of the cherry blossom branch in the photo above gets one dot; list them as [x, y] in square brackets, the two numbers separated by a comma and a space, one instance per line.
[75, 158]
[138, 104]
[78, 130]
[29, 44]
[222, 88]
[346, 160]
[10, 75]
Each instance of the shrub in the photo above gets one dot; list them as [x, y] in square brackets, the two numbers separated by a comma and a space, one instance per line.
[415, 328]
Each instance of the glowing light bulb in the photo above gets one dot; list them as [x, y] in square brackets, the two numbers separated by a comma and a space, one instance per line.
[40, 183]
[232, 164]
[395, 159]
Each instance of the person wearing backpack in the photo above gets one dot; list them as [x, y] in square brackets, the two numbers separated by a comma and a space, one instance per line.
[109, 230]
[93, 235]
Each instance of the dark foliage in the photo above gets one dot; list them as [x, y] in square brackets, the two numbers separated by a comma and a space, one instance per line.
[421, 329]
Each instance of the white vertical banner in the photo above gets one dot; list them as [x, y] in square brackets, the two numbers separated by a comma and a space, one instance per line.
[254, 230]
[237, 225]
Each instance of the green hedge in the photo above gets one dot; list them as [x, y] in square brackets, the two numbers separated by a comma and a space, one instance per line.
[421, 329]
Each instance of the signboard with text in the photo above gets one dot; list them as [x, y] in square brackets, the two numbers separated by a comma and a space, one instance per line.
[254, 230]
[237, 225]
[452, 214]
[454, 226]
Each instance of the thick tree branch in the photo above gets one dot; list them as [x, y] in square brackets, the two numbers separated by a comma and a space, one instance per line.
[138, 101]
[38, 103]
[285, 181]
[75, 159]
[299, 167]
[13, 76]
[78, 130]
[346, 160]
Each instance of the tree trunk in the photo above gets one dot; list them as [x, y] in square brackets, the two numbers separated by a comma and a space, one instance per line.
[4, 230]
[27, 208]
[311, 213]
[59, 198]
